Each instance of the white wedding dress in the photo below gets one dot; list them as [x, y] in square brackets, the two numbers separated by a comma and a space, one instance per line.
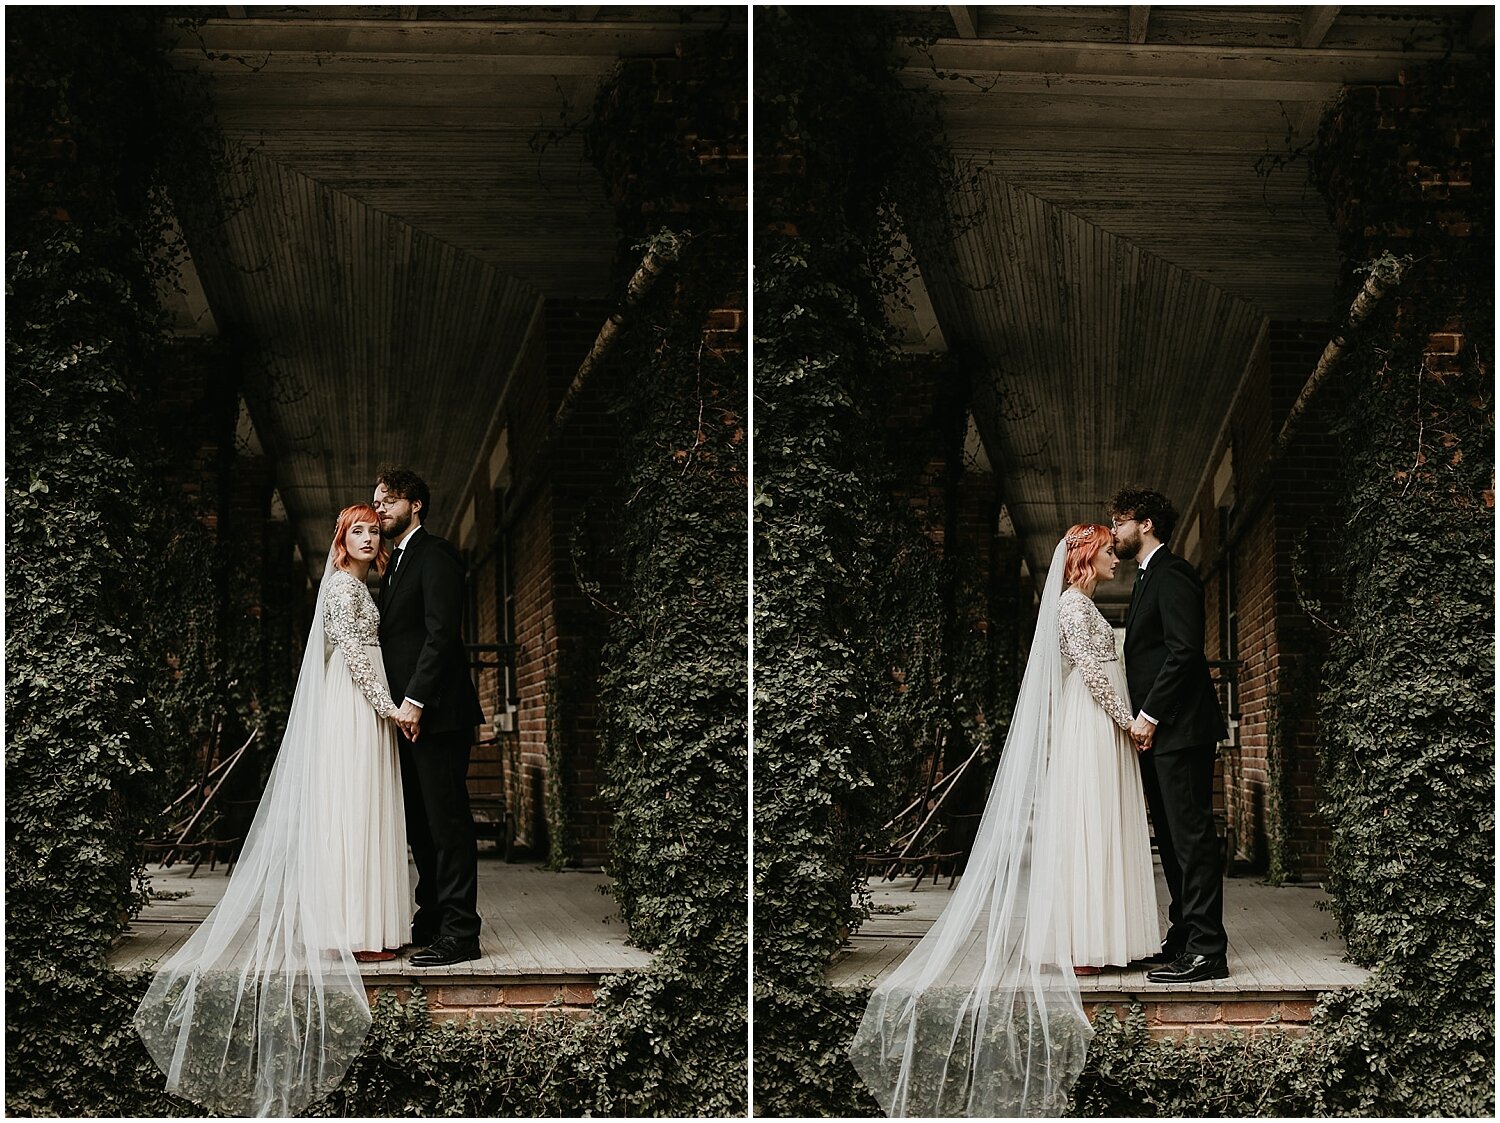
[263, 1009]
[984, 1017]
[1093, 807]
[363, 835]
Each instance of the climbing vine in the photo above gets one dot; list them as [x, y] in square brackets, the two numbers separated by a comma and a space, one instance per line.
[1407, 700]
[857, 648]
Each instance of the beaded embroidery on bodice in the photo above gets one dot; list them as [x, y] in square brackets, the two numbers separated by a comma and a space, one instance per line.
[351, 622]
[1088, 643]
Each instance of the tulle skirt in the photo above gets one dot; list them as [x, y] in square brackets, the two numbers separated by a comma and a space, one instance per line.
[263, 1008]
[1093, 838]
[362, 835]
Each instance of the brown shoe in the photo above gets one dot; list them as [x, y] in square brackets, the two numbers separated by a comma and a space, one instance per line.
[1086, 970]
[381, 956]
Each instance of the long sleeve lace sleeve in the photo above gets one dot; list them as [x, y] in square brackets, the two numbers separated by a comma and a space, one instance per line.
[341, 625]
[1079, 642]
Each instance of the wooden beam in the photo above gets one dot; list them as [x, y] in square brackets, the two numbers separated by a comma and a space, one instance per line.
[336, 39]
[1315, 25]
[1128, 60]
[586, 15]
[966, 20]
[235, 12]
[983, 84]
[1138, 19]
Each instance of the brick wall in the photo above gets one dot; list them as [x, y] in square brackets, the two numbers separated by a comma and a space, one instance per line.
[527, 513]
[1250, 535]
[1305, 499]
[524, 522]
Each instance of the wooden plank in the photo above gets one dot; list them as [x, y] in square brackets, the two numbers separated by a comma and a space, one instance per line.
[1139, 17]
[245, 91]
[536, 924]
[1273, 950]
[978, 85]
[337, 39]
[1321, 64]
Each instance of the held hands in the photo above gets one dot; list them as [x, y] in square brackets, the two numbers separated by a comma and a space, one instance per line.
[1142, 732]
[408, 717]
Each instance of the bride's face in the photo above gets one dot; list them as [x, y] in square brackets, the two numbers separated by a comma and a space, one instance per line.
[1105, 564]
[363, 541]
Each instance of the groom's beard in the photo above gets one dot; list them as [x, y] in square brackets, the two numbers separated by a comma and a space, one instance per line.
[398, 528]
[1127, 549]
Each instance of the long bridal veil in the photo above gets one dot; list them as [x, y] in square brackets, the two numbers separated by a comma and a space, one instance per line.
[984, 1018]
[263, 1009]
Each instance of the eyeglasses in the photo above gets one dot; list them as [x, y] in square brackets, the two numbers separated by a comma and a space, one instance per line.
[1118, 523]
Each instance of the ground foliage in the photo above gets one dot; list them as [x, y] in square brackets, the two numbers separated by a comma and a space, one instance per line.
[1405, 704]
[117, 646]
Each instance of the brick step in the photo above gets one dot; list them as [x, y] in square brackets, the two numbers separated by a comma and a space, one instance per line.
[458, 998]
[1201, 1014]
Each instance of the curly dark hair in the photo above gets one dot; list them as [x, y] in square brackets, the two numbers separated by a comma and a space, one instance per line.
[406, 484]
[1142, 503]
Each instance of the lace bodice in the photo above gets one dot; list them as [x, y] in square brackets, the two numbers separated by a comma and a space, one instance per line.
[1088, 642]
[351, 622]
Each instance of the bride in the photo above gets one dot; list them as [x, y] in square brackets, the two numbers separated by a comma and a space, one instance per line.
[984, 1018]
[263, 1009]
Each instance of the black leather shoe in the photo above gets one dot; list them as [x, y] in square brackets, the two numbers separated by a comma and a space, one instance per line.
[446, 950]
[1168, 954]
[1189, 968]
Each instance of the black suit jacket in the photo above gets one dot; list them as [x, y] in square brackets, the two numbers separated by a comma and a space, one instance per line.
[1164, 661]
[421, 635]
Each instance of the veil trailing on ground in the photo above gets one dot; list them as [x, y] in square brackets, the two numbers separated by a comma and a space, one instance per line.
[263, 1009]
[984, 1018]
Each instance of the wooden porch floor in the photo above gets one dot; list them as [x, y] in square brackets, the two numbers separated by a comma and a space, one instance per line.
[1281, 944]
[539, 927]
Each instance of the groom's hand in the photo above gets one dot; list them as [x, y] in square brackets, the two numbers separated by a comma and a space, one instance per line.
[408, 717]
[1142, 732]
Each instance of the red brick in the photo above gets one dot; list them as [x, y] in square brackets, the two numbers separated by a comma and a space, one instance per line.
[443, 995]
[532, 994]
[1184, 1012]
[1251, 1011]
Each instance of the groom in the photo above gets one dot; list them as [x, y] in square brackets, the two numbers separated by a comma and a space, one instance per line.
[421, 640]
[1178, 723]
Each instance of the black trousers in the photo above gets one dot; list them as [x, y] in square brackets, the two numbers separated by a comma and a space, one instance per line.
[1179, 790]
[440, 831]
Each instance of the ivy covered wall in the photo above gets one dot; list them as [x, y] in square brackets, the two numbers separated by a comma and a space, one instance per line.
[856, 623]
[124, 647]
[1407, 694]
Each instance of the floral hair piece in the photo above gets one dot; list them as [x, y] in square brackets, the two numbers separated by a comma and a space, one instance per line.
[1078, 538]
